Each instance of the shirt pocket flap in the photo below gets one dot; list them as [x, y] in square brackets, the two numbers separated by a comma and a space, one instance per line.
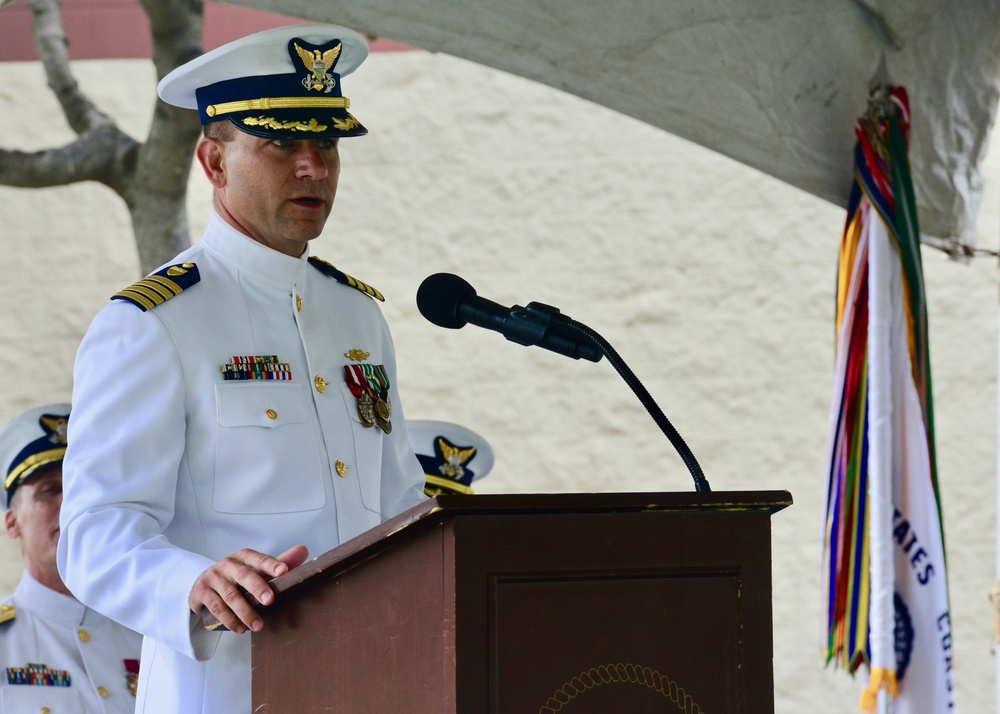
[264, 405]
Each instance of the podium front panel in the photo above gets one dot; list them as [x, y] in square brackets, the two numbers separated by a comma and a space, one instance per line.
[594, 613]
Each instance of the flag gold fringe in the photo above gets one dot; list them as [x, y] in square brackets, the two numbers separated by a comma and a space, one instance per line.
[880, 679]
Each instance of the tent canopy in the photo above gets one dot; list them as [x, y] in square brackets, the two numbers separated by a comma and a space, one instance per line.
[774, 84]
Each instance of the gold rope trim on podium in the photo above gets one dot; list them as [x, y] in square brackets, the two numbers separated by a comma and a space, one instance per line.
[620, 674]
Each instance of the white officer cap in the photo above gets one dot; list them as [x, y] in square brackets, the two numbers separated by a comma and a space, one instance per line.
[451, 455]
[282, 83]
[30, 441]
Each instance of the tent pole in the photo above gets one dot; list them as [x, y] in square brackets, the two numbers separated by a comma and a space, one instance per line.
[995, 593]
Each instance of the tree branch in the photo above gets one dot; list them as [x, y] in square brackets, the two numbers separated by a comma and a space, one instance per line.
[53, 51]
[103, 154]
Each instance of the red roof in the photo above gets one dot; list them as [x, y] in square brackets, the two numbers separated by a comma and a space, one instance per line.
[116, 29]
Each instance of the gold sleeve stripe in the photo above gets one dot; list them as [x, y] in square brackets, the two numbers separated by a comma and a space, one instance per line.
[264, 103]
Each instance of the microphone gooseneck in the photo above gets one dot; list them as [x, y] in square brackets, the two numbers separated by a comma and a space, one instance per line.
[450, 302]
[700, 482]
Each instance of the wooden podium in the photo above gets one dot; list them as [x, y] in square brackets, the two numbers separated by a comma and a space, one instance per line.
[575, 603]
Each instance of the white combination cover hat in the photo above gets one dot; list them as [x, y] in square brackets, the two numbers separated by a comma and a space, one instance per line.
[30, 441]
[452, 456]
[280, 83]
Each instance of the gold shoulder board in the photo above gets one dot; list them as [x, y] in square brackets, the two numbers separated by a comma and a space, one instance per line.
[159, 287]
[7, 613]
[342, 277]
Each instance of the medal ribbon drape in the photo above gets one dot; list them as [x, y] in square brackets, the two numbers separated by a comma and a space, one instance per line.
[358, 385]
[369, 383]
[884, 560]
[378, 386]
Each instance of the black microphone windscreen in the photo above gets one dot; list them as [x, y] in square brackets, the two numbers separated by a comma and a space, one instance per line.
[439, 297]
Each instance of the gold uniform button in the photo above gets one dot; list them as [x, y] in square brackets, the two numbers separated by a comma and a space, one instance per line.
[320, 384]
[298, 303]
[341, 469]
[46, 710]
[83, 635]
[271, 414]
[103, 691]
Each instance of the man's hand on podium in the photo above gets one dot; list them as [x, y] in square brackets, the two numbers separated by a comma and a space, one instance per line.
[231, 587]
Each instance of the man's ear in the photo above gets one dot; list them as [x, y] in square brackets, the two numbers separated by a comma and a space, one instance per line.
[10, 523]
[211, 155]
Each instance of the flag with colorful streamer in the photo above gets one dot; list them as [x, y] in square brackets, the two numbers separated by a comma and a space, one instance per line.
[884, 561]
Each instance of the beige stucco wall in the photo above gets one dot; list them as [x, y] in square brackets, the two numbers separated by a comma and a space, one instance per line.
[715, 284]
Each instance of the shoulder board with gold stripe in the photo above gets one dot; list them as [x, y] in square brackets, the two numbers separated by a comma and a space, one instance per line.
[157, 288]
[342, 277]
[7, 613]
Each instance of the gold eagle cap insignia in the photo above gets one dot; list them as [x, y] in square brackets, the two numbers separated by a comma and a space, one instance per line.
[319, 64]
[56, 427]
[454, 458]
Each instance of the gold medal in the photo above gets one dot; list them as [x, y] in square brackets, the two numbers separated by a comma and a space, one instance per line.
[384, 407]
[366, 410]
[383, 412]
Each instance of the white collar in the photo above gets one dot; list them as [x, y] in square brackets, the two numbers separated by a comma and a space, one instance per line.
[248, 256]
[47, 603]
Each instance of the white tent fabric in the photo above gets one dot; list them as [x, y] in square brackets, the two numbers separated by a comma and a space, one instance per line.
[775, 84]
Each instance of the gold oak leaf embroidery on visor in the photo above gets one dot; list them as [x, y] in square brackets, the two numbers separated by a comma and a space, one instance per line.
[346, 124]
[272, 123]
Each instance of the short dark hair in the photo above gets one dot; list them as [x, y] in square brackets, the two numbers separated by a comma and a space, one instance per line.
[219, 130]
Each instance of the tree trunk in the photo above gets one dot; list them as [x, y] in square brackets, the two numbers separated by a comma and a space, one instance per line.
[151, 177]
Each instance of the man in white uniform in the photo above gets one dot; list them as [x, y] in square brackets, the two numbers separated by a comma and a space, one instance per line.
[237, 409]
[56, 655]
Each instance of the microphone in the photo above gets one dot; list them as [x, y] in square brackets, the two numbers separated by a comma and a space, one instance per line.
[449, 301]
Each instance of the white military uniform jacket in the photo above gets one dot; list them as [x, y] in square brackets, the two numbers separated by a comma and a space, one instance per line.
[82, 657]
[170, 467]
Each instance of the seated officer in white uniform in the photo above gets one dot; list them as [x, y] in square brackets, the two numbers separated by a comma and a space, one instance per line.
[237, 409]
[56, 655]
